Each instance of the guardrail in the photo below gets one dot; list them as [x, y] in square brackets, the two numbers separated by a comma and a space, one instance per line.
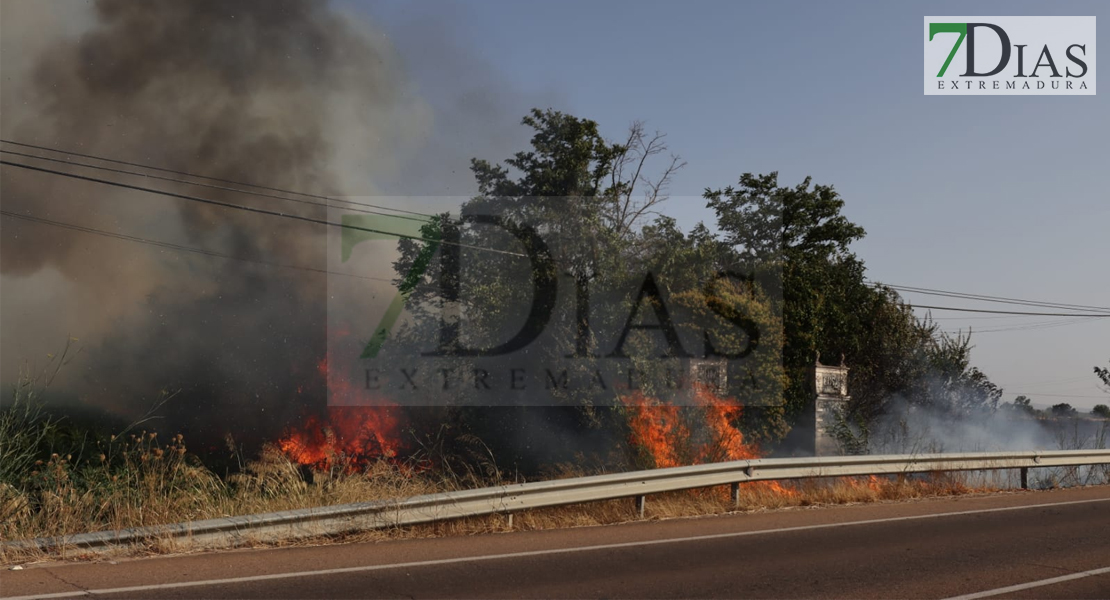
[506, 499]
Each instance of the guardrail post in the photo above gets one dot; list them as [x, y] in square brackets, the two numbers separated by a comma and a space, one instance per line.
[735, 492]
[641, 501]
[1025, 478]
[510, 521]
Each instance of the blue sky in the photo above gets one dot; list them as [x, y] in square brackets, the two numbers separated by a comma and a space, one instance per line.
[1000, 196]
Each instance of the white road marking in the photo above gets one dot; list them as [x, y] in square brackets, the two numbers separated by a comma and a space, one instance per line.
[1032, 584]
[463, 559]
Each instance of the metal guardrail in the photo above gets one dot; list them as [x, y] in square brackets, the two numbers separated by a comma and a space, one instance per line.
[506, 499]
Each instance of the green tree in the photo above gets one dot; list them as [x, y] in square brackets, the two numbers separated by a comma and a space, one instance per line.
[1023, 405]
[1063, 410]
[830, 309]
[799, 232]
[1101, 410]
[593, 203]
[595, 206]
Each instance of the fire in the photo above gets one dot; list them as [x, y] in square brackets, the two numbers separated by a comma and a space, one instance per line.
[350, 436]
[720, 414]
[672, 436]
[656, 429]
[872, 483]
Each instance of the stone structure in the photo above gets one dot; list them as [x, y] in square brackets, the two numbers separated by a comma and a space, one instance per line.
[830, 388]
[712, 373]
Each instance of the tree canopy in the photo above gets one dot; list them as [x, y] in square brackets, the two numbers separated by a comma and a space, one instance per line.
[779, 259]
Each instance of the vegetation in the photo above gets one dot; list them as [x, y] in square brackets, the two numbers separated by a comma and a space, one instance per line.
[596, 205]
[830, 309]
[778, 262]
[1023, 405]
[1063, 410]
[137, 480]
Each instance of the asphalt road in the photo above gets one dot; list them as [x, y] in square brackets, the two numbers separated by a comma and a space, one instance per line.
[1019, 545]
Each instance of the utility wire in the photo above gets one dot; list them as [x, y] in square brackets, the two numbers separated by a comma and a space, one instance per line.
[928, 291]
[1008, 312]
[210, 186]
[1025, 327]
[179, 247]
[999, 299]
[1084, 378]
[255, 210]
[210, 178]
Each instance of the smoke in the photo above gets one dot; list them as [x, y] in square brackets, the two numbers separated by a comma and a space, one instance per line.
[954, 419]
[285, 93]
[907, 428]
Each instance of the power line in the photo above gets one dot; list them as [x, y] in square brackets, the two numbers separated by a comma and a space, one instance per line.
[210, 186]
[927, 291]
[998, 299]
[1085, 378]
[179, 247]
[210, 178]
[935, 292]
[1002, 318]
[1008, 312]
[254, 209]
[1026, 326]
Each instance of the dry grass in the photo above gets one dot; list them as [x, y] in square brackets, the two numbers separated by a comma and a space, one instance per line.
[700, 502]
[143, 483]
[148, 484]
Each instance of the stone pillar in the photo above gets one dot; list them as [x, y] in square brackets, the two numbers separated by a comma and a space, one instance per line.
[830, 387]
[711, 373]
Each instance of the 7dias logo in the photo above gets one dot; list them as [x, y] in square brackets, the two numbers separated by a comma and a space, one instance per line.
[973, 56]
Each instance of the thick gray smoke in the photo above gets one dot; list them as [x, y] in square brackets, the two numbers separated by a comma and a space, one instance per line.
[274, 92]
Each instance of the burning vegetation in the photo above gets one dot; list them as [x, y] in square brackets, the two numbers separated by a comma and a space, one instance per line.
[349, 434]
[667, 435]
[352, 436]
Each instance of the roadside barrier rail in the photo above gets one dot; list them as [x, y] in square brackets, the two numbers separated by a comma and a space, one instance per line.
[507, 499]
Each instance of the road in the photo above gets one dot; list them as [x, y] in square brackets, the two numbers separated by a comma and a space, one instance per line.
[1018, 545]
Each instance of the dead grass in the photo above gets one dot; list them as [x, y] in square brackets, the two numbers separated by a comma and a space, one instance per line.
[700, 502]
[157, 488]
[144, 484]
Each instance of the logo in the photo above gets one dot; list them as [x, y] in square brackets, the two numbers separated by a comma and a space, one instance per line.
[1009, 56]
[492, 309]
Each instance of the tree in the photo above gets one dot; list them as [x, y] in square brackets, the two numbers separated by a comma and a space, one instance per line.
[1104, 375]
[1101, 410]
[830, 309]
[953, 386]
[799, 233]
[1023, 405]
[594, 206]
[1063, 410]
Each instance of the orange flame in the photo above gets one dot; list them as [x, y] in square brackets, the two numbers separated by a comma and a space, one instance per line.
[872, 483]
[351, 436]
[665, 433]
[656, 429]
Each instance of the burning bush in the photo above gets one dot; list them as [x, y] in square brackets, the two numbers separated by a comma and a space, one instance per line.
[353, 436]
[668, 435]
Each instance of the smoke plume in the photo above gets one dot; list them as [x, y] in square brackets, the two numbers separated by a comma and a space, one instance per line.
[273, 92]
